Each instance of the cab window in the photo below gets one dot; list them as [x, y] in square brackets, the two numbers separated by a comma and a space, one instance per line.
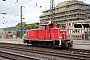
[41, 27]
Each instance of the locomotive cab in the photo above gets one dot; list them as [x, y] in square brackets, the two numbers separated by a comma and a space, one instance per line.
[47, 26]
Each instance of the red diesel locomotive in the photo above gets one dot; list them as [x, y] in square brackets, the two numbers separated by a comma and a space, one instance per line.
[48, 35]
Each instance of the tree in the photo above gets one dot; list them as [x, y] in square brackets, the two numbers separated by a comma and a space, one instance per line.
[24, 25]
[27, 26]
[19, 24]
[34, 26]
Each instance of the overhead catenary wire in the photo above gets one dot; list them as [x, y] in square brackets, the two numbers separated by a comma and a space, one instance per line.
[18, 4]
[15, 5]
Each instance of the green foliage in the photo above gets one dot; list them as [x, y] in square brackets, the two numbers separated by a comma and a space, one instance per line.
[33, 26]
[18, 34]
[27, 26]
[19, 24]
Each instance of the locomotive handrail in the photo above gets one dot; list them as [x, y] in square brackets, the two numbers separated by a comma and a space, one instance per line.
[52, 36]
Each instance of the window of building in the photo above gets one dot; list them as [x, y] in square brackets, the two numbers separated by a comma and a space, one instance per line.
[75, 10]
[73, 4]
[75, 30]
[70, 16]
[69, 24]
[78, 31]
[68, 31]
[82, 5]
[71, 11]
[71, 31]
[68, 12]
[85, 29]
[78, 4]
[61, 17]
[82, 31]
[79, 10]
[82, 11]
[74, 15]
[73, 24]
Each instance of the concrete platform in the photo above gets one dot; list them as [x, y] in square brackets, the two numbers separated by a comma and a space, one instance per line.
[81, 44]
[86, 47]
[77, 44]
[15, 41]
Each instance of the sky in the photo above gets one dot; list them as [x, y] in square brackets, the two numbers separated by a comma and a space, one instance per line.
[31, 11]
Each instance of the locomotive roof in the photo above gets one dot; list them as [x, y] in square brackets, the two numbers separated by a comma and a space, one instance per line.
[44, 24]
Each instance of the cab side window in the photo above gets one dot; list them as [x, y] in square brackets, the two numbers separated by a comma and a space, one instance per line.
[41, 27]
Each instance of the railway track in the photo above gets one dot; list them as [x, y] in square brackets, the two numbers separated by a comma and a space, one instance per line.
[70, 53]
[14, 56]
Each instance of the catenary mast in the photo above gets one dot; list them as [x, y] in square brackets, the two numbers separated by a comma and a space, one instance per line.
[52, 10]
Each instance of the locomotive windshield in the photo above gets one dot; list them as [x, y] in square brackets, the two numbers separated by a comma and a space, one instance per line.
[43, 27]
[46, 26]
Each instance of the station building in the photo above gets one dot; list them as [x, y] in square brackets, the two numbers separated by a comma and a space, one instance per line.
[67, 13]
[11, 32]
[8, 33]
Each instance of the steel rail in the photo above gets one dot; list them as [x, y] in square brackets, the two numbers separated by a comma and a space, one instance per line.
[63, 53]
